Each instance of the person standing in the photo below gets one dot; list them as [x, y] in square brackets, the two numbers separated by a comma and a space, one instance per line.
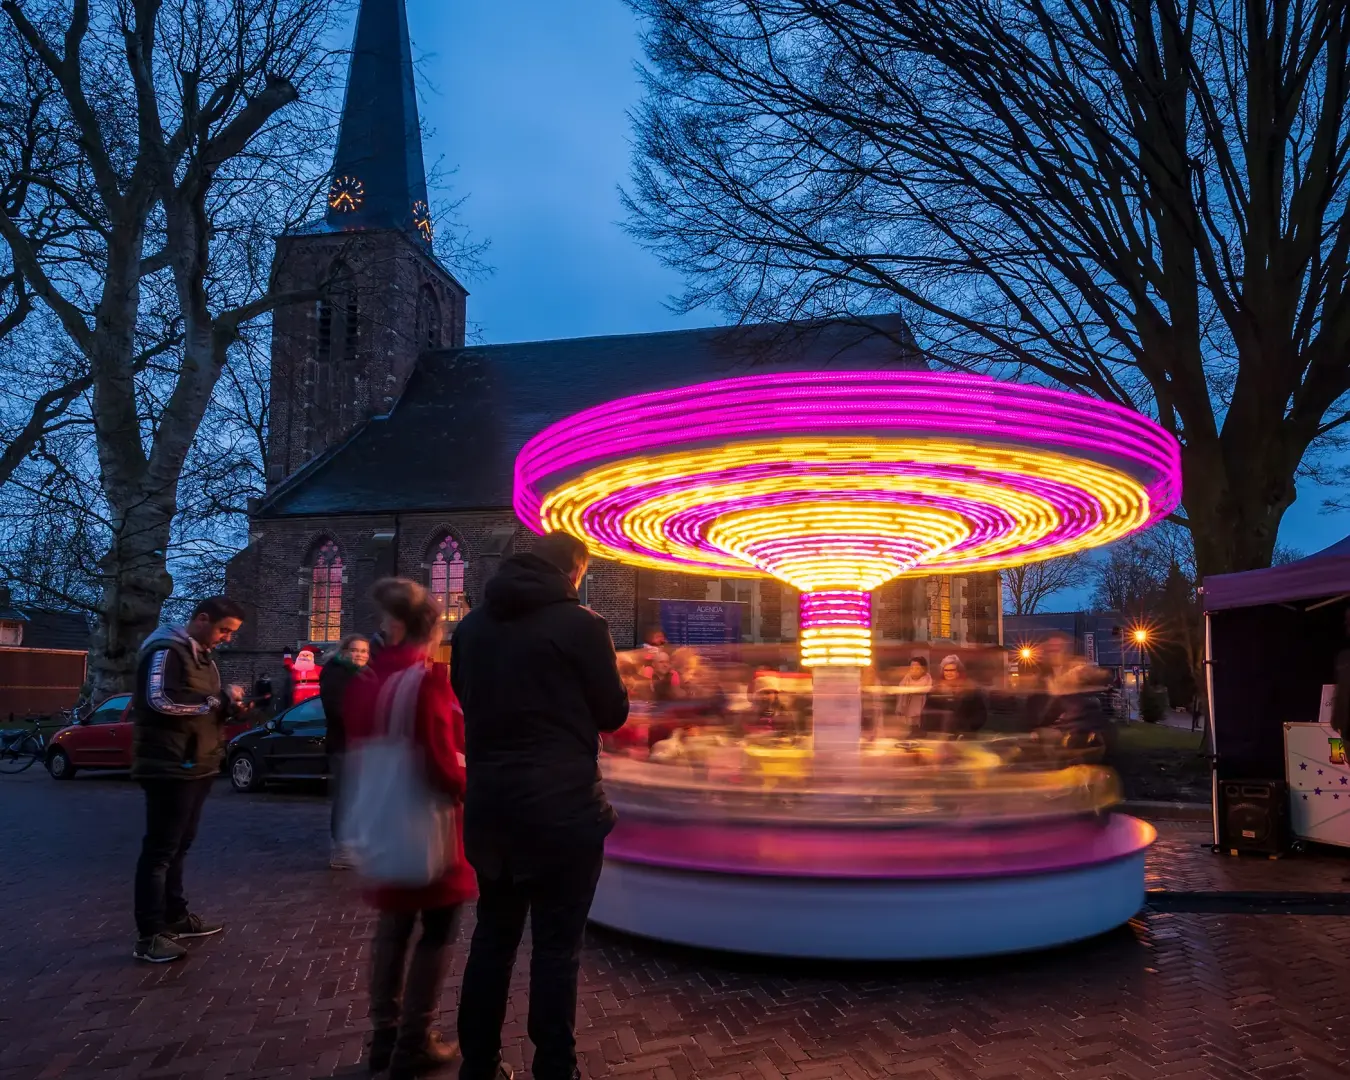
[351, 655]
[539, 683]
[405, 994]
[178, 712]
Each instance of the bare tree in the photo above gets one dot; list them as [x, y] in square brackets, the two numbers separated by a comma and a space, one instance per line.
[1028, 586]
[193, 148]
[1145, 200]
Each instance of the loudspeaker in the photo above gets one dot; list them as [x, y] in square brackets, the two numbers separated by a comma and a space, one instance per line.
[1253, 816]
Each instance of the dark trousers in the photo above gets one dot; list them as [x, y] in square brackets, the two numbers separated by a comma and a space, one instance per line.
[557, 902]
[336, 762]
[405, 995]
[173, 809]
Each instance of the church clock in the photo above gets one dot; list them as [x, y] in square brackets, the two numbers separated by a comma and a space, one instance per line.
[346, 194]
[422, 219]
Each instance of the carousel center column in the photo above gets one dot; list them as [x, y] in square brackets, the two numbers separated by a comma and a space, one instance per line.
[836, 644]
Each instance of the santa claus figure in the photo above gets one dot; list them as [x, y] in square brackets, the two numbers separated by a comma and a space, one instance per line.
[304, 673]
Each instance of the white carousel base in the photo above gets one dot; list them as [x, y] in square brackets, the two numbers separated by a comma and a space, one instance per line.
[884, 919]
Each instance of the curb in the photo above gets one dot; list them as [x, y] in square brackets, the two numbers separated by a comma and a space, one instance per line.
[1184, 811]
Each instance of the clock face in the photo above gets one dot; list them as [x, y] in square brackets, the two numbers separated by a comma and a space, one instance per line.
[422, 219]
[346, 194]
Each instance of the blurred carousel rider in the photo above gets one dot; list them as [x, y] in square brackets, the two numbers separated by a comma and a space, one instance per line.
[351, 655]
[914, 690]
[955, 705]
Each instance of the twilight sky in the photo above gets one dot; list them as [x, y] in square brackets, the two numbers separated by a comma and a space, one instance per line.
[526, 100]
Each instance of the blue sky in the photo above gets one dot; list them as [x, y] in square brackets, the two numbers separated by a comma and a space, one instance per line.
[526, 100]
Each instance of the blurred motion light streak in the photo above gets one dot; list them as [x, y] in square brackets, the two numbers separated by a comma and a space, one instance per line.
[836, 482]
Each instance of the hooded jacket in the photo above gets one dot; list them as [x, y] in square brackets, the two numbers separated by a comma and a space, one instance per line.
[537, 678]
[334, 678]
[177, 709]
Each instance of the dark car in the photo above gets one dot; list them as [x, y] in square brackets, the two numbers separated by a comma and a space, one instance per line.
[293, 746]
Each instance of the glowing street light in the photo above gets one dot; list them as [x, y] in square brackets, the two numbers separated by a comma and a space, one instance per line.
[1141, 636]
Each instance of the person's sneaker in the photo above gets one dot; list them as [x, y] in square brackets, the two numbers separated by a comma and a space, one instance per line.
[434, 1054]
[382, 1042]
[159, 949]
[190, 926]
[341, 859]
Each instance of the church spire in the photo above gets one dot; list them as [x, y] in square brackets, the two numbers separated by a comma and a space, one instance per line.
[379, 180]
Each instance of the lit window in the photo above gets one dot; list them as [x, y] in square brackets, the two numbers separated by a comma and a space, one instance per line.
[325, 594]
[447, 579]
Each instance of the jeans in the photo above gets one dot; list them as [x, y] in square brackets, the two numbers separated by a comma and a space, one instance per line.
[557, 902]
[172, 810]
[335, 766]
[402, 995]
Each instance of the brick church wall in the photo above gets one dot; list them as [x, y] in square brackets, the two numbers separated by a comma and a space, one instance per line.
[404, 303]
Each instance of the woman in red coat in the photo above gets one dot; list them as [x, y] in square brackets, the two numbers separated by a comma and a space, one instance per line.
[403, 1005]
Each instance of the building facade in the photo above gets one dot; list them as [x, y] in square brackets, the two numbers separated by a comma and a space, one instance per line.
[392, 442]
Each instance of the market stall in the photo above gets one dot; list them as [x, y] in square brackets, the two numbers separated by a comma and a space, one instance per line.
[1271, 642]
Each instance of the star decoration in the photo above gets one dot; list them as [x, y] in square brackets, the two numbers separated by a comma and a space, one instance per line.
[1319, 772]
[1344, 780]
[1317, 791]
[1303, 766]
[1305, 798]
[1337, 796]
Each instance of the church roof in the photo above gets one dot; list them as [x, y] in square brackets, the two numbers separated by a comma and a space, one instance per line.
[379, 179]
[451, 440]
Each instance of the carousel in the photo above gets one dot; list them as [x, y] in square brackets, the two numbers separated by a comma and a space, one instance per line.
[808, 836]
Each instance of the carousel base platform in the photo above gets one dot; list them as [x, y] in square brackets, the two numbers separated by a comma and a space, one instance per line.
[910, 894]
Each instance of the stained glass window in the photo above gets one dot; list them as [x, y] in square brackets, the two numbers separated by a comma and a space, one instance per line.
[447, 579]
[325, 594]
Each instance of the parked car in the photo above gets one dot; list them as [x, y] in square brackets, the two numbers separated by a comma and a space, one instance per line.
[293, 746]
[102, 739]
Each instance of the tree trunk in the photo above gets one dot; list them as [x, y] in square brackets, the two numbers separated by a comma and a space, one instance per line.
[1235, 496]
[136, 583]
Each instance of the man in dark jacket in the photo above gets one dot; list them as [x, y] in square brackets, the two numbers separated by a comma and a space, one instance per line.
[537, 678]
[177, 714]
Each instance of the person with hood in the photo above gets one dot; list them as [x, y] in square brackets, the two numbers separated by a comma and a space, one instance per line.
[539, 683]
[178, 713]
[405, 992]
[955, 705]
[351, 655]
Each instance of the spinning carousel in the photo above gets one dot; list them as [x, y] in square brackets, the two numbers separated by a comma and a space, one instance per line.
[835, 483]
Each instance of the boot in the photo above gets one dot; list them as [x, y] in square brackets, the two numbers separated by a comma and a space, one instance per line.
[382, 1042]
[432, 1055]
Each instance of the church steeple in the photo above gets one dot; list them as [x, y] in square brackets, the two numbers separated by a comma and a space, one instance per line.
[379, 179]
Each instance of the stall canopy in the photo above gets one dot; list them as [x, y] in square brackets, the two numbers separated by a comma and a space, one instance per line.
[1273, 636]
[1317, 576]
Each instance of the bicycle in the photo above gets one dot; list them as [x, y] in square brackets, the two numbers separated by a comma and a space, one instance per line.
[19, 750]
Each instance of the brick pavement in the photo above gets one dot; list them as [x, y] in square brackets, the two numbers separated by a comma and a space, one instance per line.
[1221, 997]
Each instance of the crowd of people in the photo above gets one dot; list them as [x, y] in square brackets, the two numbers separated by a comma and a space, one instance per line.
[490, 771]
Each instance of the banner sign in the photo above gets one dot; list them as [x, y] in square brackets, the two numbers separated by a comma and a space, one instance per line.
[701, 622]
[1090, 648]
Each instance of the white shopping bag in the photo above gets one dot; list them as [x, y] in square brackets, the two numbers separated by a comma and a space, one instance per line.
[398, 828]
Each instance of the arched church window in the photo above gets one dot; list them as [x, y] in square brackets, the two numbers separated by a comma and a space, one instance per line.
[445, 575]
[428, 319]
[325, 593]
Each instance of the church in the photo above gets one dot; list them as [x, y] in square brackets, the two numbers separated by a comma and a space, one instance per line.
[391, 440]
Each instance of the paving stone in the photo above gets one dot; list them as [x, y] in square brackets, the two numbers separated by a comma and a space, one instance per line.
[281, 992]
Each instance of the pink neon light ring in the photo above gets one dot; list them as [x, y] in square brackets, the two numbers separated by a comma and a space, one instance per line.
[837, 481]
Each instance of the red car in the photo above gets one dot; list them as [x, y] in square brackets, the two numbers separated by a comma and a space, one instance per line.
[102, 739]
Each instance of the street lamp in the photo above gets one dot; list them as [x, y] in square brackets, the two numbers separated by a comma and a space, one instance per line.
[1140, 636]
